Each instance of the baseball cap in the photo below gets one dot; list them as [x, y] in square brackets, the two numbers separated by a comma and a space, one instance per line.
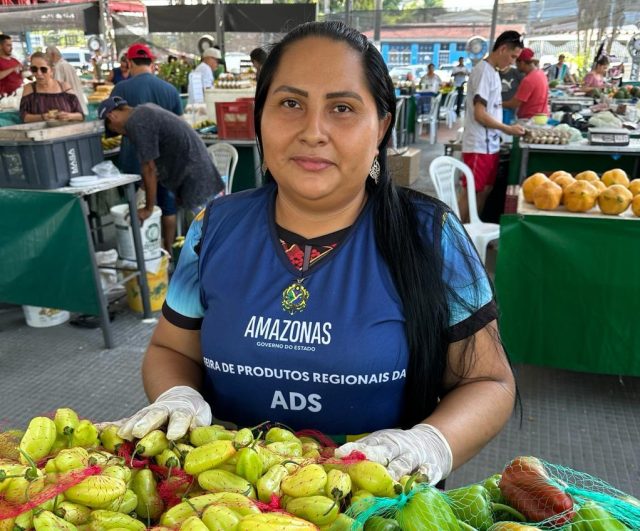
[139, 51]
[526, 54]
[110, 104]
[212, 52]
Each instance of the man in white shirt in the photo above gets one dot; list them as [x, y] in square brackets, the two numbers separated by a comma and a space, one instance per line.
[431, 82]
[210, 60]
[459, 74]
[483, 119]
[65, 73]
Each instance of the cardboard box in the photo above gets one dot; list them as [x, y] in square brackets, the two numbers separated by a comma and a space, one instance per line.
[404, 166]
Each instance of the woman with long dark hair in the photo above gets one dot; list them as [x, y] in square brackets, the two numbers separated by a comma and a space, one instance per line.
[331, 298]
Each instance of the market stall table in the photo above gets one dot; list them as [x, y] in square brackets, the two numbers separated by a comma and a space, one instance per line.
[573, 158]
[575, 104]
[568, 290]
[47, 255]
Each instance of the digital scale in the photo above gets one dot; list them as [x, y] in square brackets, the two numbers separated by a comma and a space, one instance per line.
[608, 136]
[570, 105]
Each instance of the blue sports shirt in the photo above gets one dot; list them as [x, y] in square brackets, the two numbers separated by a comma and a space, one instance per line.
[340, 364]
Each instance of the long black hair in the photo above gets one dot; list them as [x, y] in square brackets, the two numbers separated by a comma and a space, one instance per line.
[416, 264]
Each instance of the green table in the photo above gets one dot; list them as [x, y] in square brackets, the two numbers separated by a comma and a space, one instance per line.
[47, 257]
[569, 292]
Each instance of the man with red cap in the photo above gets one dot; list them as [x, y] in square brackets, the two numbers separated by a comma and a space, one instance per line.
[532, 96]
[143, 86]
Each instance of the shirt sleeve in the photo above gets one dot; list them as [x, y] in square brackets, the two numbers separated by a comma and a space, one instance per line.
[27, 104]
[183, 306]
[144, 133]
[74, 104]
[470, 297]
[208, 79]
[483, 88]
[590, 80]
[525, 88]
[117, 91]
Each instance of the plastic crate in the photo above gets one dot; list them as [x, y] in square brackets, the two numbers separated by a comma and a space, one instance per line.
[235, 120]
[48, 164]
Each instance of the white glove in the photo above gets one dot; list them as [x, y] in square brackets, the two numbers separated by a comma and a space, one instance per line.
[422, 448]
[182, 406]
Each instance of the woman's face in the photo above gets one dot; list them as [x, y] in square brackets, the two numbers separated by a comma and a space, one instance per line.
[601, 69]
[41, 70]
[320, 126]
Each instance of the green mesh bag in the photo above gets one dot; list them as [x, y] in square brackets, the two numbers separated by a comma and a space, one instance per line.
[556, 497]
[529, 494]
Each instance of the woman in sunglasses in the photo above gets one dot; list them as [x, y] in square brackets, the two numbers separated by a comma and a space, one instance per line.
[46, 98]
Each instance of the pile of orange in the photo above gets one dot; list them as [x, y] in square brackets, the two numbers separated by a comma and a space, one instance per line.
[613, 192]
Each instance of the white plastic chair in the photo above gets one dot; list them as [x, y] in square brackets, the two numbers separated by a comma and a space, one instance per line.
[448, 109]
[442, 171]
[431, 118]
[225, 159]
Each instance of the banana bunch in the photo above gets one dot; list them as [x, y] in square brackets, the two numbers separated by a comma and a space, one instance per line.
[204, 123]
[111, 142]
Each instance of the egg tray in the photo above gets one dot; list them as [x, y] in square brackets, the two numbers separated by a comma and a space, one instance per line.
[546, 136]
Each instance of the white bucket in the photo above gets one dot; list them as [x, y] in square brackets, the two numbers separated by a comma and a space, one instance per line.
[38, 317]
[150, 233]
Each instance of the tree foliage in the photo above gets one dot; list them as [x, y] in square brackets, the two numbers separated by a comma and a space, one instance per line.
[387, 5]
[598, 21]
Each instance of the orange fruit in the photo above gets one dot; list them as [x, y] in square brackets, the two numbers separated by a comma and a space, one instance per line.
[579, 196]
[634, 187]
[564, 180]
[587, 176]
[547, 195]
[615, 176]
[615, 199]
[559, 173]
[531, 183]
[635, 205]
[599, 185]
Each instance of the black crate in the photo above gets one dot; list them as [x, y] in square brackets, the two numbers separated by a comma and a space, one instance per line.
[47, 164]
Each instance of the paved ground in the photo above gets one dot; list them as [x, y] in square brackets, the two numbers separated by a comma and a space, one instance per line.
[587, 422]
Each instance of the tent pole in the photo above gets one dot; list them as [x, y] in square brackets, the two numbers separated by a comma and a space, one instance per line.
[494, 23]
[106, 30]
[377, 23]
[220, 25]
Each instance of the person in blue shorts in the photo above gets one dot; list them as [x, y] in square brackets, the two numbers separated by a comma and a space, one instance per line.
[143, 86]
[329, 298]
